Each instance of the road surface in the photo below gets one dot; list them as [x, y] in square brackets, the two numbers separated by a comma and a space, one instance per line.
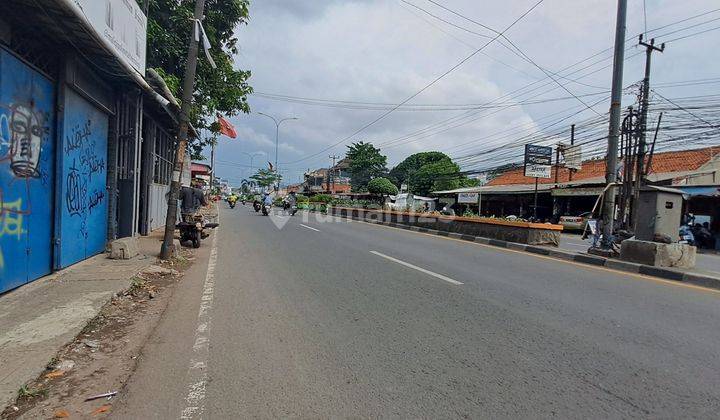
[326, 318]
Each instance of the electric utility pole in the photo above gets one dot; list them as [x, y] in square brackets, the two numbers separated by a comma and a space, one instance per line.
[332, 172]
[642, 142]
[190, 66]
[614, 131]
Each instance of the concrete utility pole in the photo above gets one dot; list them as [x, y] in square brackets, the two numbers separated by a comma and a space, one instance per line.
[277, 139]
[614, 132]
[188, 84]
[332, 174]
[642, 142]
[212, 165]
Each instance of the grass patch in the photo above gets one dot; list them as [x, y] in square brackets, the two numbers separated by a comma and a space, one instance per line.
[27, 393]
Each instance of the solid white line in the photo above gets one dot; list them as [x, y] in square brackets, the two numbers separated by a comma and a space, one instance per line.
[308, 227]
[414, 267]
[197, 372]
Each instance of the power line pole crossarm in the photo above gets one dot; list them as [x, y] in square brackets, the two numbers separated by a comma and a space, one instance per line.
[190, 67]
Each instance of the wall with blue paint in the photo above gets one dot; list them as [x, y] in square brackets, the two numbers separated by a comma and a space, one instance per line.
[27, 155]
[83, 178]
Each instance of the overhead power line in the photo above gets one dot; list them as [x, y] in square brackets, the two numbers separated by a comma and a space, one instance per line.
[437, 79]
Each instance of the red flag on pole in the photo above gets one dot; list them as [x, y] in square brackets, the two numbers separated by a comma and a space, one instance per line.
[226, 128]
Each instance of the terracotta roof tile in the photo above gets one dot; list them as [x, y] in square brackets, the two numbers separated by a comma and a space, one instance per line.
[663, 162]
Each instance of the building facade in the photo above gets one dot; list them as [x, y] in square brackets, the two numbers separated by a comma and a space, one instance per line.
[86, 146]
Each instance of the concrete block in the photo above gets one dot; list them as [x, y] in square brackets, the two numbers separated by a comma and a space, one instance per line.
[124, 249]
[176, 248]
[658, 254]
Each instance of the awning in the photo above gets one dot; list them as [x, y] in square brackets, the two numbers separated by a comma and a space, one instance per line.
[577, 191]
[700, 190]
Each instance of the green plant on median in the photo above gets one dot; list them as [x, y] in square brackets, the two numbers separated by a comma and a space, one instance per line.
[27, 393]
[321, 198]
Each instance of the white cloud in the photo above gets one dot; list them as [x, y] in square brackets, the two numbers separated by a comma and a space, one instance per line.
[383, 51]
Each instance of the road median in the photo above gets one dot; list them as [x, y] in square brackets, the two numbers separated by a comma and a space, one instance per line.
[688, 277]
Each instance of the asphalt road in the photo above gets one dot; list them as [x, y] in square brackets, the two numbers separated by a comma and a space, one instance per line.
[326, 318]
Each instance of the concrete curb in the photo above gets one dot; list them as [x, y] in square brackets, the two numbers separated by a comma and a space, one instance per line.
[703, 280]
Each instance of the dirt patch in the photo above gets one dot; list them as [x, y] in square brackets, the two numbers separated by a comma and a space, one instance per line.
[102, 357]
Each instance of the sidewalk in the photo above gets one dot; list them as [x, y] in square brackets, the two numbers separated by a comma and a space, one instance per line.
[37, 319]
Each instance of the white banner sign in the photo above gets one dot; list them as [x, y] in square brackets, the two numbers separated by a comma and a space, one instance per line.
[470, 198]
[122, 23]
[537, 171]
[573, 156]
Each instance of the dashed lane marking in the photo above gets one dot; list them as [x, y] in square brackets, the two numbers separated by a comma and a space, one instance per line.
[414, 267]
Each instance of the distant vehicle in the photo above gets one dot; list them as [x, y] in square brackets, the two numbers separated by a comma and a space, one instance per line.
[686, 235]
[575, 222]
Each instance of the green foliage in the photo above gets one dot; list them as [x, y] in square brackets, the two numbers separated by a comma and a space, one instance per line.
[442, 175]
[366, 163]
[357, 204]
[223, 89]
[382, 186]
[302, 198]
[266, 177]
[321, 198]
[412, 163]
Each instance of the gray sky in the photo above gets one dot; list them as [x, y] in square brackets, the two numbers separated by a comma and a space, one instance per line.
[383, 51]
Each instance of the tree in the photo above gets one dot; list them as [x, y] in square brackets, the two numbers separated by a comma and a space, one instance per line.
[382, 186]
[442, 175]
[366, 163]
[412, 163]
[266, 177]
[223, 89]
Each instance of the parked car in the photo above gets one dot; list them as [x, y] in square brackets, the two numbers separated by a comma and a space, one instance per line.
[575, 222]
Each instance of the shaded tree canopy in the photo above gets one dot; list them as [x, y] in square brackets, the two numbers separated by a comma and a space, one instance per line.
[366, 163]
[400, 173]
[266, 177]
[441, 174]
[381, 186]
[223, 89]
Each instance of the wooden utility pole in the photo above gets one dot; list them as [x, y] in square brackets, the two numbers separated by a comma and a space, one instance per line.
[188, 86]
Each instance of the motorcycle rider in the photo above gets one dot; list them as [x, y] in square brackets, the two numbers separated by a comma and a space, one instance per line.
[291, 201]
[232, 199]
[267, 200]
[192, 198]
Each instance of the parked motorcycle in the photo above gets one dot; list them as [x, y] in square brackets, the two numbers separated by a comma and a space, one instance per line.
[194, 230]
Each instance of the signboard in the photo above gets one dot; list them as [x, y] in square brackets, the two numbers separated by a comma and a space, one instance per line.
[538, 161]
[120, 22]
[572, 156]
[468, 198]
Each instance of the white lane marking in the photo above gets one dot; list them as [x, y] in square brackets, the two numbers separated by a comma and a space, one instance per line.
[414, 267]
[308, 227]
[197, 372]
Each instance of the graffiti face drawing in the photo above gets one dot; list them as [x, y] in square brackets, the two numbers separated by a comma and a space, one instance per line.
[27, 132]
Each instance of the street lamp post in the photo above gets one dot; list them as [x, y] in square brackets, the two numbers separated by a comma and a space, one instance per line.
[277, 137]
[252, 156]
